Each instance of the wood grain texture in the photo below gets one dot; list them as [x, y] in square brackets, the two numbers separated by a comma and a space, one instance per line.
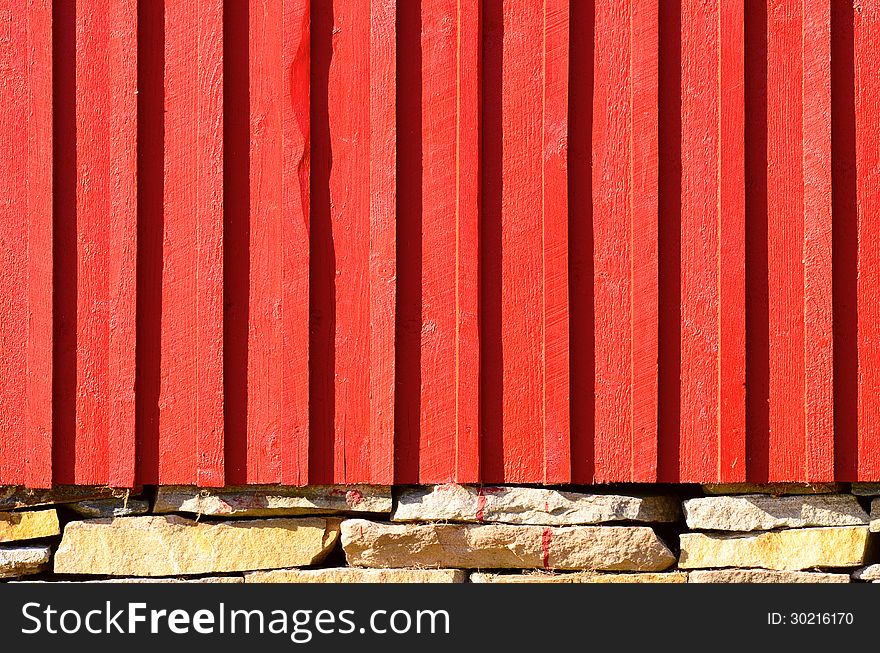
[285, 241]
[700, 221]
[361, 202]
[817, 245]
[530, 241]
[438, 409]
[378, 467]
[731, 246]
[277, 376]
[612, 254]
[866, 40]
[349, 120]
[449, 426]
[556, 393]
[26, 278]
[467, 207]
[785, 241]
[625, 232]
[643, 174]
[106, 125]
[191, 394]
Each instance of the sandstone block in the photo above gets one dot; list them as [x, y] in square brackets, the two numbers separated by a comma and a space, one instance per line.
[500, 546]
[16, 496]
[139, 581]
[776, 489]
[357, 575]
[865, 489]
[763, 576]
[760, 512]
[174, 546]
[265, 501]
[523, 505]
[21, 561]
[121, 507]
[29, 525]
[580, 577]
[871, 572]
[875, 515]
[786, 550]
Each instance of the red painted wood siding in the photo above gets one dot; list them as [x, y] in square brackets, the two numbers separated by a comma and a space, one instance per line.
[388, 241]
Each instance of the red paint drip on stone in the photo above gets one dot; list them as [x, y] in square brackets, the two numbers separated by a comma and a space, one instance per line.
[481, 505]
[353, 497]
[545, 546]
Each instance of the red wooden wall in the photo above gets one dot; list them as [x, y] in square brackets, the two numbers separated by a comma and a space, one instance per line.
[412, 241]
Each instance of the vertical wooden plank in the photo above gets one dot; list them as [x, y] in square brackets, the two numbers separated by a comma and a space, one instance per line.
[350, 213]
[26, 243]
[439, 179]
[348, 108]
[521, 237]
[643, 171]
[191, 394]
[700, 301]
[527, 238]
[785, 250]
[106, 115]
[467, 334]
[612, 237]
[38, 437]
[817, 245]
[449, 418]
[625, 228]
[449, 426]
[554, 147]
[449, 413]
[279, 243]
[731, 245]
[866, 28]
[383, 242]
[361, 210]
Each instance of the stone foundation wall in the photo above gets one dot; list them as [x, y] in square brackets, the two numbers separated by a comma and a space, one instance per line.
[443, 534]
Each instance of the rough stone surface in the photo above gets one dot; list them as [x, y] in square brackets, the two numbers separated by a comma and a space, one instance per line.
[16, 496]
[16, 526]
[763, 576]
[357, 575]
[21, 561]
[501, 546]
[776, 489]
[875, 515]
[760, 512]
[522, 505]
[871, 572]
[580, 577]
[206, 579]
[794, 549]
[865, 489]
[111, 507]
[265, 501]
[174, 546]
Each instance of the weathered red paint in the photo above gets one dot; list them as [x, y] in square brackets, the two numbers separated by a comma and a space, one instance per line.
[283, 241]
[866, 41]
[106, 228]
[732, 450]
[26, 275]
[278, 247]
[625, 224]
[191, 435]
[817, 217]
